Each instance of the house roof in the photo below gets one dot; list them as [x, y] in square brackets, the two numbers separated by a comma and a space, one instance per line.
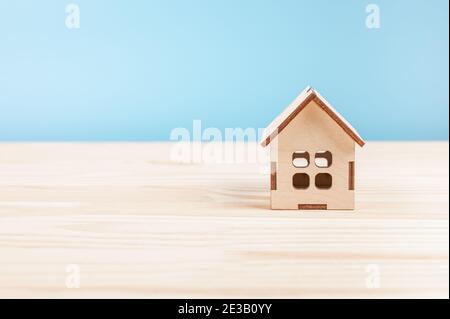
[296, 106]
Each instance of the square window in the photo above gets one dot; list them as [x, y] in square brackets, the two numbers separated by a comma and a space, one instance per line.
[324, 181]
[300, 181]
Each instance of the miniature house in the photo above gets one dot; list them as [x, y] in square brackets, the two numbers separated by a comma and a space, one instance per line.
[312, 156]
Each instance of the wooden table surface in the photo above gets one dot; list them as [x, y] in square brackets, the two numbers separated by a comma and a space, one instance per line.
[136, 224]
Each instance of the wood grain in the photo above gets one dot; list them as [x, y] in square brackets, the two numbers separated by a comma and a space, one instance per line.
[139, 225]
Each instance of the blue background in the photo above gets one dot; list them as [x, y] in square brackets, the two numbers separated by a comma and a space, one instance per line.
[137, 69]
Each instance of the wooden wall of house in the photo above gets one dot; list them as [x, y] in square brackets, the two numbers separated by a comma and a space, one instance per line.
[312, 130]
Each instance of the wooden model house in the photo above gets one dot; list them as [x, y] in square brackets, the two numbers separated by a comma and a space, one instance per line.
[312, 154]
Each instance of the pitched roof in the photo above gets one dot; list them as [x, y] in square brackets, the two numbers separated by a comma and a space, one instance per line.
[296, 106]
